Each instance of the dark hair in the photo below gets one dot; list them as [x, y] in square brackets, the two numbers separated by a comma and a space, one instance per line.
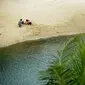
[20, 19]
[27, 20]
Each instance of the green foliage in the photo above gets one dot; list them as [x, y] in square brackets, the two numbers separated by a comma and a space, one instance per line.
[69, 67]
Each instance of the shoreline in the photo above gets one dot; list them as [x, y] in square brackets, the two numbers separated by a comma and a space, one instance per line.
[39, 39]
[50, 18]
[10, 33]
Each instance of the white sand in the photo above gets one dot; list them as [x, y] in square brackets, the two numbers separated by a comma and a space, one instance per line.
[49, 17]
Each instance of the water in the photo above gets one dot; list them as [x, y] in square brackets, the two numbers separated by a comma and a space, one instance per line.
[20, 63]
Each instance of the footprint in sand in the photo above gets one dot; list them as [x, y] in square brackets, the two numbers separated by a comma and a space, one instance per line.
[57, 32]
[1, 26]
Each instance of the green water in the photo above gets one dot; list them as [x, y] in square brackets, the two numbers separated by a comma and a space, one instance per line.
[20, 63]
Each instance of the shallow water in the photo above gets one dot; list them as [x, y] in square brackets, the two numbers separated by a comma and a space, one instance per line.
[20, 63]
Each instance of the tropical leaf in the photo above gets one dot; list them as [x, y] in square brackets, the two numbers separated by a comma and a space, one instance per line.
[69, 67]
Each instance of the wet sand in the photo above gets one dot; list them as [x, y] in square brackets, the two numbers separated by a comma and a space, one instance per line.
[49, 17]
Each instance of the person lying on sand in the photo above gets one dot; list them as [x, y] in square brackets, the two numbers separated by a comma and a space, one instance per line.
[28, 22]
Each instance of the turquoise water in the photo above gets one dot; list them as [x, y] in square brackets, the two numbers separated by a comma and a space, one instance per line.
[20, 63]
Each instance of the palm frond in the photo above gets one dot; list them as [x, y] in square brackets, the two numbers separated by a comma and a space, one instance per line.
[69, 67]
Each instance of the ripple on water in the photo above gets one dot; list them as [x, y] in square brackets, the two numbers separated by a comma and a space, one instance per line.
[21, 63]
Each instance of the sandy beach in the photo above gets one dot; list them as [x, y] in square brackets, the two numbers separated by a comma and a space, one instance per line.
[49, 17]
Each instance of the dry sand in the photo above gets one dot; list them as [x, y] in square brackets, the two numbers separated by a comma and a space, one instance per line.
[50, 18]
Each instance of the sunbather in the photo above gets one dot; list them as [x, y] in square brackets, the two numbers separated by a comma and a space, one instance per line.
[28, 22]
